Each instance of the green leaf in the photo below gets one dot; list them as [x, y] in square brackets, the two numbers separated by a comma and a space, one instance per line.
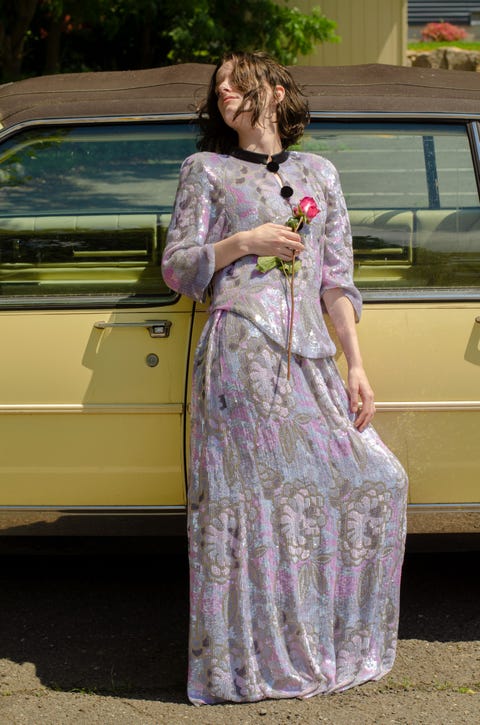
[286, 267]
[265, 264]
[293, 223]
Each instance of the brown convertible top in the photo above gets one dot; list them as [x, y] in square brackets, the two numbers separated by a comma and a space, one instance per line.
[177, 89]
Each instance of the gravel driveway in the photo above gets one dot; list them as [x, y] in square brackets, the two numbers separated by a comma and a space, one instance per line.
[96, 633]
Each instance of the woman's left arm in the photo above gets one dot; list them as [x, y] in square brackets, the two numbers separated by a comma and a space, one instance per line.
[342, 314]
[340, 296]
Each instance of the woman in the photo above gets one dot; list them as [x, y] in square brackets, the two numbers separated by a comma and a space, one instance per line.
[296, 508]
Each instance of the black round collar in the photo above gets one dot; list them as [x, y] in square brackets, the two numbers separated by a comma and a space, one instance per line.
[271, 162]
[273, 165]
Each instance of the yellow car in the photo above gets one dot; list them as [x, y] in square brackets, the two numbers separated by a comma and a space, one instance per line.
[96, 351]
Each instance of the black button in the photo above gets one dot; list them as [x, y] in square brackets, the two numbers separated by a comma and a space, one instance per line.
[273, 166]
[286, 192]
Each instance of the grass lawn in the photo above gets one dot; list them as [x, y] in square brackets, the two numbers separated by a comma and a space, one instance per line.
[466, 45]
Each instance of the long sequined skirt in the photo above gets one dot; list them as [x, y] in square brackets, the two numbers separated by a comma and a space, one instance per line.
[296, 526]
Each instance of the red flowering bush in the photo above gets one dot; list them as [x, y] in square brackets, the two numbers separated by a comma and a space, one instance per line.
[442, 31]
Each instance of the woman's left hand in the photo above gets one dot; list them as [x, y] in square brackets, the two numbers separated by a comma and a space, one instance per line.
[359, 389]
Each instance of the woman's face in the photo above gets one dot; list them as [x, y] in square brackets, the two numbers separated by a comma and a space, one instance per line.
[229, 97]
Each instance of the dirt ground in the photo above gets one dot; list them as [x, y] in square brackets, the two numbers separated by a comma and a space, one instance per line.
[94, 634]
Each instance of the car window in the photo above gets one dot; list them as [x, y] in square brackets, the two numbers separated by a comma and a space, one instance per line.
[84, 209]
[84, 212]
[413, 202]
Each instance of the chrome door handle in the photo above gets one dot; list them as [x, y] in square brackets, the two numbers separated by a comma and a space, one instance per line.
[156, 328]
[477, 319]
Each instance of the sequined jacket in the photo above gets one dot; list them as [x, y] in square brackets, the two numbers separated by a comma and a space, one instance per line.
[219, 195]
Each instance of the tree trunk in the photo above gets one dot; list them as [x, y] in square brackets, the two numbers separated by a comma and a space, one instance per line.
[17, 16]
[146, 52]
[52, 55]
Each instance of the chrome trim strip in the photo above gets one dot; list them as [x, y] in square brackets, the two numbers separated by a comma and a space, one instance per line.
[101, 510]
[413, 508]
[164, 409]
[178, 408]
[55, 522]
[186, 116]
[164, 118]
[420, 508]
[423, 295]
[403, 115]
[475, 149]
[138, 521]
[81, 302]
[475, 134]
[428, 405]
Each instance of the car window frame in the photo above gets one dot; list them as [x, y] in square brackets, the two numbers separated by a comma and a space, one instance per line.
[92, 301]
[472, 125]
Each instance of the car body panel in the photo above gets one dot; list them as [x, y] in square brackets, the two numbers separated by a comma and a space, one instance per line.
[423, 367]
[90, 422]
[84, 420]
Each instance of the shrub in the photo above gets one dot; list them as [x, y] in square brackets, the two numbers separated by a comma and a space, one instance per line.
[442, 31]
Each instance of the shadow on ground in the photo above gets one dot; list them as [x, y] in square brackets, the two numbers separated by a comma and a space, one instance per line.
[111, 617]
[106, 617]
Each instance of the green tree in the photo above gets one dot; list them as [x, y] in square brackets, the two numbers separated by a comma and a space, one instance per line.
[48, 36]
[203, 31]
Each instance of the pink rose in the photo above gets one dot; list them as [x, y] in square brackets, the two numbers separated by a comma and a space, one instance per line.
[307, 208]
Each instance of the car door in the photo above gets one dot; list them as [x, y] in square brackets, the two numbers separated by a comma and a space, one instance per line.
[413, 200]
[94, 345]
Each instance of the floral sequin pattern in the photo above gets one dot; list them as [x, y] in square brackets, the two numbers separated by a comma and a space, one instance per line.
[296, 521]
[219, 195]
[300, 519]
[220, 542]
[368, 511]
[270, 391]
[355, 652]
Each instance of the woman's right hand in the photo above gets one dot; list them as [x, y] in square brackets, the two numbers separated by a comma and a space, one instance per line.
[266, 240]
[273, 240]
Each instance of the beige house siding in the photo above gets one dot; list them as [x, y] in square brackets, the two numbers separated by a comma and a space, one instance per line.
[371, 31]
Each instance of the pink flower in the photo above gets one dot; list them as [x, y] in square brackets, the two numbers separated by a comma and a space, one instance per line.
[303, 213]
[306, 208]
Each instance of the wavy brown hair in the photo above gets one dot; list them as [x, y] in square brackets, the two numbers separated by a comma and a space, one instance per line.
[252, 73]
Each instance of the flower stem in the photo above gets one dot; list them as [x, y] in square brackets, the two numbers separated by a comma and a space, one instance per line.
[292, 305]
[292, 310]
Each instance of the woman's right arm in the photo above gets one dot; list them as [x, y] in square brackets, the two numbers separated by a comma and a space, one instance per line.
[188, 262]
[196, 248]
[268, 239]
